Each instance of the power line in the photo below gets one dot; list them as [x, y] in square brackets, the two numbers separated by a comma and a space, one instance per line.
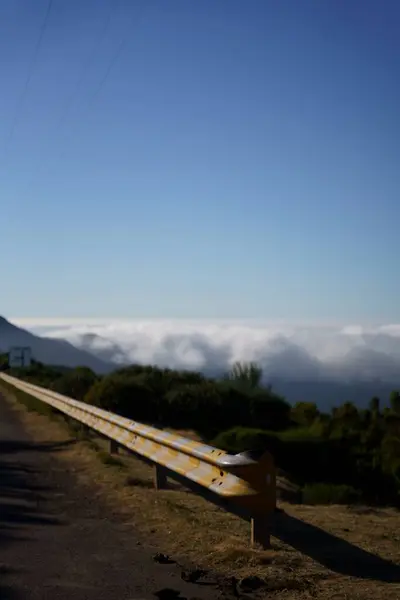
[86, 67]
[114, 58]
[32, 65]
[88, 63]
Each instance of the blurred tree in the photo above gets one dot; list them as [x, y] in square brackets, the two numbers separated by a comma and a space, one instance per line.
[374, 406]
[76, 383]
[395, 401]
[304, 413]
[249, 374]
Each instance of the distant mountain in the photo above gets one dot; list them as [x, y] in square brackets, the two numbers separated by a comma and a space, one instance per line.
[102, 348]
[49, 350]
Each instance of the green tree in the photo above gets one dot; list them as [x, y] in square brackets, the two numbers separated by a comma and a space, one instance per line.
[374, 406]
[268, 410]
[249, 374]
[125, 395]
[395, 401]
[304, 413]
[76, 383]
[391, 457]
[3, 361]
[195, 406]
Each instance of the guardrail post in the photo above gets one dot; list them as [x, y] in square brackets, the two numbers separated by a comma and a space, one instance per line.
[160, 478]
[260, 532]
[113, 447]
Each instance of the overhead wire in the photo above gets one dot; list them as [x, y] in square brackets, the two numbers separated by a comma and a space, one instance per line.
[114, 4]
[111, 63]
[113, 60]
[113, 8]
[22, 98]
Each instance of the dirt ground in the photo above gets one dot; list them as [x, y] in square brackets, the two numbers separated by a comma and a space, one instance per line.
[335, 552]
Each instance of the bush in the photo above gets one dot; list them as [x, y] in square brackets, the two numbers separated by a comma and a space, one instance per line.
[304, 413]
[242, 439]
[124, 395]
[311, 432]
[196, 406]
[75, 383]
[327, 493]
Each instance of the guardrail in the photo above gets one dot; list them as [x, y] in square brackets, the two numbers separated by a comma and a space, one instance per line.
[242, 484]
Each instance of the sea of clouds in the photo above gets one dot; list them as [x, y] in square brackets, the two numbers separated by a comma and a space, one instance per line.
[317, 352]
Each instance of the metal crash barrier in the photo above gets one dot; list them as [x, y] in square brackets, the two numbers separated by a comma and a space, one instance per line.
[241, 484]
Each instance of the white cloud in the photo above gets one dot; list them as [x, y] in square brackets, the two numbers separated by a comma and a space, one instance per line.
[288, 350]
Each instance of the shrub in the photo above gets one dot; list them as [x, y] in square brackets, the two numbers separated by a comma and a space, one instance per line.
[196, 406]
[242, 439]
[124, 395]
[75, 383]
[328, 493]
[311, 432]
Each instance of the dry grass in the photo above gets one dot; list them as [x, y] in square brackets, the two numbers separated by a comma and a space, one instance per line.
[190, 529]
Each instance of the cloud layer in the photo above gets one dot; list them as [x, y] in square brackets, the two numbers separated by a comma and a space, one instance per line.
[351, 352]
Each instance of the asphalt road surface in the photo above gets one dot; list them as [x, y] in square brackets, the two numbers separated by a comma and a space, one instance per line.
[58, 543]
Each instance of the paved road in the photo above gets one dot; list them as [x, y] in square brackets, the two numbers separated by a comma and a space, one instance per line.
[56, 542]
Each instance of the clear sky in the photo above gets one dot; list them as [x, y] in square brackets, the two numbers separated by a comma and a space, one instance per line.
[200, 158]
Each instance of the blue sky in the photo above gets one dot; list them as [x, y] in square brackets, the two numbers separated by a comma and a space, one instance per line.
[182, 158]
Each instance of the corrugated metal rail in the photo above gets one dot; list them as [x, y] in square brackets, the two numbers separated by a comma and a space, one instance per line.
[239, 483]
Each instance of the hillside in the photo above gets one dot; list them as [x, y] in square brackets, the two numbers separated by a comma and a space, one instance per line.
[49, 351]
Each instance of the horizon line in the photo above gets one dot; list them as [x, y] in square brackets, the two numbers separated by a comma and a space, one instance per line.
[60, 320]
